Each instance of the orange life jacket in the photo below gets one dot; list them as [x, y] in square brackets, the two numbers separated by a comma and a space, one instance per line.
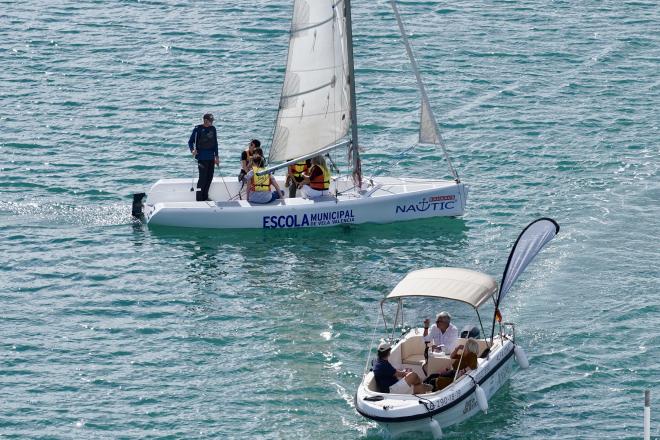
[298, 168]
[322, 181]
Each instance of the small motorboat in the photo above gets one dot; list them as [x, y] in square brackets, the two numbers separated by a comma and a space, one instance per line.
[469, 393]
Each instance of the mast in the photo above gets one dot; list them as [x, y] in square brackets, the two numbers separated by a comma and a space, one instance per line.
[354, 153]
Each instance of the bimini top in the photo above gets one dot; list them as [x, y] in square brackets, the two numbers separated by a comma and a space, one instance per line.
[464, 285]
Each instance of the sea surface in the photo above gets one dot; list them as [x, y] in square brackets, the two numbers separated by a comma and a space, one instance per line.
[110, 329]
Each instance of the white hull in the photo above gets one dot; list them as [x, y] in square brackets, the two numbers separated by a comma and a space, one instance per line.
[171, 203]
[399, 413]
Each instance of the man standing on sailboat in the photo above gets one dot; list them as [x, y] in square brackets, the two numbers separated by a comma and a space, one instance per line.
[203, 144]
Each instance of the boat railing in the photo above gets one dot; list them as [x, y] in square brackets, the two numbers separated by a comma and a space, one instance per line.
[512, 326]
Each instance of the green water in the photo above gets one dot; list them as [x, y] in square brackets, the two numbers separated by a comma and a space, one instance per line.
[113, 330]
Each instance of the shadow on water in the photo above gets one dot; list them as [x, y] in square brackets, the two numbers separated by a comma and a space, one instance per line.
[329, 256]
[416, 239]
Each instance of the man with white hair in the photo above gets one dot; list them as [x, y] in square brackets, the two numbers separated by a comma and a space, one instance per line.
[443, 334]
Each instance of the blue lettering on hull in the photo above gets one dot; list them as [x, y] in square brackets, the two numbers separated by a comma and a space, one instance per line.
[307, 220]
[425, 205]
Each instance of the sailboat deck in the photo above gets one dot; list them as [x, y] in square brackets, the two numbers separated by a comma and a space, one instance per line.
[227, 192]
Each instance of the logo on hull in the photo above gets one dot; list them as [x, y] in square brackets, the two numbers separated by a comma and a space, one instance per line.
[309, 220]
[433, 203]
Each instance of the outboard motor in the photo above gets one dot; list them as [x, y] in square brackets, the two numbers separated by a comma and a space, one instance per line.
[137, 205]
[470, 331]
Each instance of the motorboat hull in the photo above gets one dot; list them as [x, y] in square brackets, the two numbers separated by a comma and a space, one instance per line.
[399, 414]
[418, 352]
[170, 202]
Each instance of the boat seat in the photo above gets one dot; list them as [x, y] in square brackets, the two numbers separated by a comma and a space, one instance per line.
[372, 385]
[483, 345]
[438, 364]
[412, 350]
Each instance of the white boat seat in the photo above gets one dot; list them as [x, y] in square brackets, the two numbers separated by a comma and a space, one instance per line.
[412, 350]
[414, 359]
[438, 363]
[372, 385]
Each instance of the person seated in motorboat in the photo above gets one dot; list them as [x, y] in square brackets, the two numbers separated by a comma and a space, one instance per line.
[442, 335]
[464, 360]
[317, 182]
[246, 157]
[295, 176]
[259, 186]
[391, 380]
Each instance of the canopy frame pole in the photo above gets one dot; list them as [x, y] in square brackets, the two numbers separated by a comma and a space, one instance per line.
[382, 312]
[482, 327]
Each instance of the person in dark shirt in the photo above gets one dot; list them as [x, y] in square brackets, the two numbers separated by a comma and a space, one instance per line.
[203, 144]
[254, 148]
[391, 380]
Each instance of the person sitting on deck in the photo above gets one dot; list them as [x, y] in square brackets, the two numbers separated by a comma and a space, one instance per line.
[463, 362]
[317, 183]
[295, 175]
[259, 186]
[391, 380]
[253, 149]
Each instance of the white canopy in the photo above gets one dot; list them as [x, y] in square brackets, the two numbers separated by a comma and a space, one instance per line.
[452, 283]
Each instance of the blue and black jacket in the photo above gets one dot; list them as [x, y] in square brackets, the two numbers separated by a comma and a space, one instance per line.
[205, 139]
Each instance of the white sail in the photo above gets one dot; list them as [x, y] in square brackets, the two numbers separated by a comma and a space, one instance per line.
[314, 109]
[429, 132]
[428, 128]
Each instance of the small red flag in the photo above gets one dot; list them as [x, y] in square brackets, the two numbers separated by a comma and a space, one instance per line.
[498, 315]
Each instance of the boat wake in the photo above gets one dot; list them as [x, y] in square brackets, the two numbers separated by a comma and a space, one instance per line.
[63, 214]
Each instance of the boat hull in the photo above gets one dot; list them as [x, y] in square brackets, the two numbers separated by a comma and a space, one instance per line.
[171, 203]
[399, 414]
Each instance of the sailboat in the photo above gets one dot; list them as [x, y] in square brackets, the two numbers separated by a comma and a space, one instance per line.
[317, 115]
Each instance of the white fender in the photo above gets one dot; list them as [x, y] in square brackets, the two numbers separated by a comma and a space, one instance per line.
[481, 399]
[521, 357]
[436, 429]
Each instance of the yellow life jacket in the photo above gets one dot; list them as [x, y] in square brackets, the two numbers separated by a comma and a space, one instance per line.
[298, 169]
[321, 182]
[260, 183]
